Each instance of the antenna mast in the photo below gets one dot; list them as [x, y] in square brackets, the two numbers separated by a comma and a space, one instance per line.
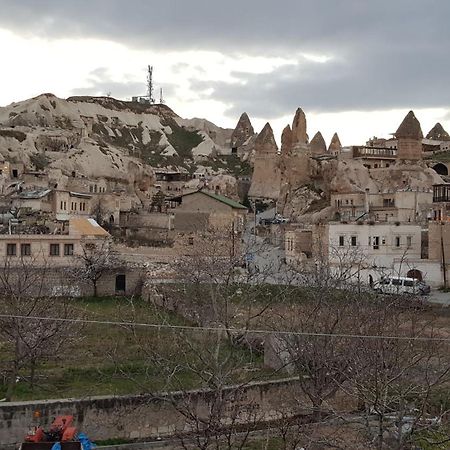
[150, 85]
[161, 98]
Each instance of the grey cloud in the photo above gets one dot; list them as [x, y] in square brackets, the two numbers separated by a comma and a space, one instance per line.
[386, 53]
[368, 82]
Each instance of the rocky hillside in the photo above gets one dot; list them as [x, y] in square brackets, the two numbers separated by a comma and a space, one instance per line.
[105, 137]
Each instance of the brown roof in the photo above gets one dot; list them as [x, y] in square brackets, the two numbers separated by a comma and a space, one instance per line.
[409, 128]
[86, 227]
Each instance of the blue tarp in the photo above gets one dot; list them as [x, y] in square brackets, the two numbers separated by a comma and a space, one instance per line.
[56, 446]
[86, 444]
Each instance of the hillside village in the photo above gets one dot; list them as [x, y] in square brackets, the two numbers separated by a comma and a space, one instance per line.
[161, 185]
[114, 210]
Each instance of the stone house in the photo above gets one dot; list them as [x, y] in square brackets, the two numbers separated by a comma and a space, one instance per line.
[401, 205]
[202, 210]
[51, 249]
[49, 256]
[67, 204]
[373, 249]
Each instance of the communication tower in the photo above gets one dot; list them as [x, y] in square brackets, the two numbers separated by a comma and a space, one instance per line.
[150, 85]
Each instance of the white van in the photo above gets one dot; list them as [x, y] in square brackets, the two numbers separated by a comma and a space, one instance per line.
[402, 285]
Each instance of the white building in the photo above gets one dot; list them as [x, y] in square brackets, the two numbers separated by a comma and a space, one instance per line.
[374, 250]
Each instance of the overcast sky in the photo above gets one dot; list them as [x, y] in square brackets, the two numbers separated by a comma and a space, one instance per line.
[354, 66]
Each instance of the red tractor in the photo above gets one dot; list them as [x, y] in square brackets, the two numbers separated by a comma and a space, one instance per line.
[61, 430]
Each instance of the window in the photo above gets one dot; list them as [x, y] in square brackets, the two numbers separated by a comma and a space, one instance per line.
[397, 241]
[62, 204]
[25, 249]
[11, 249]
[353, 241]
[54, 249]
[408, 283]
[376, 242]
[396, 282]
[68, 249]
[408, 241]
[341, 241]
[191, 241]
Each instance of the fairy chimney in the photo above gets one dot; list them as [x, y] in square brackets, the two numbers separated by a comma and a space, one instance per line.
[409, 136]
[265, 141]
[299, 128]
[266, 179]
[286, 140]
[437, 133]
[243, 131]
[335, 146]
[317, 145]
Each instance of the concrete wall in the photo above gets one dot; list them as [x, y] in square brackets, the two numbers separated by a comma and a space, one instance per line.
[139, 417]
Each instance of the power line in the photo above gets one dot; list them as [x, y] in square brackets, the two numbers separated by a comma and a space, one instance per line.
[232, 330]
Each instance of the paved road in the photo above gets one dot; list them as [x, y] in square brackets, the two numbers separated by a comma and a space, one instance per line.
[439, 297]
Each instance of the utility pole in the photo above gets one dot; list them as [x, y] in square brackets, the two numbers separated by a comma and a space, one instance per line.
[444, 265]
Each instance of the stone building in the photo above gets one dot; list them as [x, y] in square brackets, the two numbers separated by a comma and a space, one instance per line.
[203, 210]
[401, 205]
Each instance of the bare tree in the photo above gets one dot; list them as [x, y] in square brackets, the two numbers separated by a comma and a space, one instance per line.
[28, 340]
[95, 260]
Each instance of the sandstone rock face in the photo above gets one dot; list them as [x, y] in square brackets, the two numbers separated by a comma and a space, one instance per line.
[438, 133]
[299, 127]
[287, 140]
[83, 139]
[265, 143]
[317, 145]
[243, 131]
[409, 136]
[335, 146]
[409, 128]
[266, 178]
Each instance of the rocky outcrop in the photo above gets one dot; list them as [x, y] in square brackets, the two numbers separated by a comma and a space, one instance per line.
[266, 178]
[438, 133]
[299, 134]
[335, 146]
[287, 140]
[409, 128]
[243, 131]
[409, 136]
[318, 145]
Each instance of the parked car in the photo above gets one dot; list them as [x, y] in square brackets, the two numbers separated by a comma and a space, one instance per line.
[402, 285]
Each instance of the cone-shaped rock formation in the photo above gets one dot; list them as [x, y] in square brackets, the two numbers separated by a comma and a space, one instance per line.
[409, 128]
[438, 133]
[317, 145]
[242, 132]
[335, 144]
[299, 127]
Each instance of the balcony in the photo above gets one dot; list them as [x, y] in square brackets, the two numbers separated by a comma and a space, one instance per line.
[441, 193]
[374, 152]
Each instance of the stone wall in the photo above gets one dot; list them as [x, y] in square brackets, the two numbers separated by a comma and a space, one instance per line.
[140, 417]
[60, 282]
